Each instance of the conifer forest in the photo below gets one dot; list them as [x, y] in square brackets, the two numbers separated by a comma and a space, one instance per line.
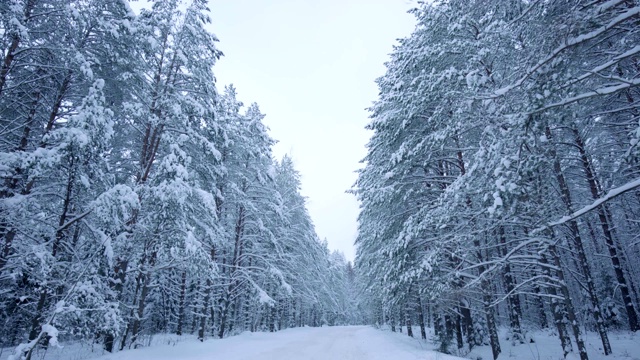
[500, 187]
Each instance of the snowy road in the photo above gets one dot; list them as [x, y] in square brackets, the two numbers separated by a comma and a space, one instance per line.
[328, 343]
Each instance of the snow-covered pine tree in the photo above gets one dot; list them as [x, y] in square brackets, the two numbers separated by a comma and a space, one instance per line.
[500, 98]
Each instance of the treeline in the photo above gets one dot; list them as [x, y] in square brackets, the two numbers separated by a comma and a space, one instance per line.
[134, 198]
[501, 184]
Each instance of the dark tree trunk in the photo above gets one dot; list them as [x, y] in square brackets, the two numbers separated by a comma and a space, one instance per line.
[119, 276]
[544, 323]
[491, 326]
[465, 311]
[8, 59]
[37, 319]
[437, 322]
[144, 279]
[15, 43]
[582, 257]
[247, 311]
[142, 302]
[486, 300]
[207, 299]
[459, 331]
[513, 301]
[448, 326]
[181, 302]
[604, 215]
[423, 330]
[223, 317]
[570, 312]
[428, 306]
[205, 308]
[407, 317]
[36, 322]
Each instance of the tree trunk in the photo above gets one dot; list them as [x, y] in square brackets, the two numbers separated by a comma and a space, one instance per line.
[223, 318]
[428, 306]
[544, 323]
[487, 300]
[437, 322]
[247, 310]
[579, 248]
[459, 331]
[59, 236]
[203, 313]
[491, 324]
[467, 323]
[181, 302]
[423, 331]
[269, 312]
[569, 310]
[119, 272]
[202, 327]
[560, 321]
[235, 262]
[604, 215]
[448, 326]
[142, 302]
[407, 318]
[513, 301]
[11, 52]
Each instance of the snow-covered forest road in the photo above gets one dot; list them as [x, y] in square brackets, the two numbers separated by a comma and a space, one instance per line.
[330, 343]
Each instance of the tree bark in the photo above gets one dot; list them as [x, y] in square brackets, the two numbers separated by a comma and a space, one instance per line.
[486, 302]
[459, 331]
[604, 215]
[181, 302]
[407, 318]
[513, 301]
[465, 311]
[568, 303]
[583, 263]
[145, 277]
[540, 305]
[203, 313]
[423, 331]
[557, 309]
[11, 52]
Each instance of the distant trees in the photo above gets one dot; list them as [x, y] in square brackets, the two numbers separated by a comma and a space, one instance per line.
[498, 125]
[134, 198]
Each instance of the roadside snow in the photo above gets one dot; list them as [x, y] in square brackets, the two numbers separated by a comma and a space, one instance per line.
[546, 346]
[343, 343]
[330, 343]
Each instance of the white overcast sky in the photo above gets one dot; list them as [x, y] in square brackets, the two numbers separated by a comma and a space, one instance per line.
[311, 65]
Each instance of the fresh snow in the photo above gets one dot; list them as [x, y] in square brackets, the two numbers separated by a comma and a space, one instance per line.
[544, 345]
[330, 343]
[341, 343]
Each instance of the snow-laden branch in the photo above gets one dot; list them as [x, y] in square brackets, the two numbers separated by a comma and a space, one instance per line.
[634, 51]
[493, 264]
[568, 44]
[598, 92]
[610, 195]
[525, 12]
[74, 220]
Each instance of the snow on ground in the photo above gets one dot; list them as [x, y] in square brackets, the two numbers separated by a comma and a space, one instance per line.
[330, 343]
[546, 346]
[326, 343]
[339, 343]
